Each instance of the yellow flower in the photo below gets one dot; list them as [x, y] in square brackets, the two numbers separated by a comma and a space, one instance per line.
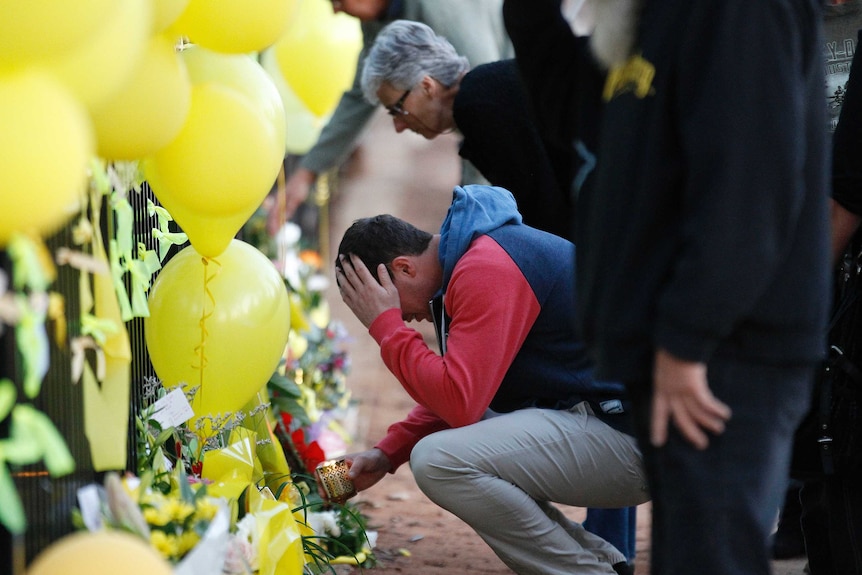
[178, 510]
[157, 516]
[187, 541]
[165, 544]
[206, 510]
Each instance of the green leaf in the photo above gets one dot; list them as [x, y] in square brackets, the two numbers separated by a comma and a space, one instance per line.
[8, 394]
[164, 436]
[11, 511]
[285, 385]
[186, 491]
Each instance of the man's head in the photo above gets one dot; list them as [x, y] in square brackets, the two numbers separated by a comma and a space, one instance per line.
[365, 10]
[407, 253]
[415, 74]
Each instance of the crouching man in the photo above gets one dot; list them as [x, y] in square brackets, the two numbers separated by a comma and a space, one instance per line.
[509, 419]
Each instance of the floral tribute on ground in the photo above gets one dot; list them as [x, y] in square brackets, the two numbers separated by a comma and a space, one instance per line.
[235, 493]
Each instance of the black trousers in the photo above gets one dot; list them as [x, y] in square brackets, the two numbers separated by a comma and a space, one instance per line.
[714, 509]
[832, 525]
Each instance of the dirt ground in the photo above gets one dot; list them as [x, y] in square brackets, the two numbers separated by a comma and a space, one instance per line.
[409, 177]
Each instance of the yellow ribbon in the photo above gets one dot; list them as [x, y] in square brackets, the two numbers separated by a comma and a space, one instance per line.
[162, 234]
[141, 270]
[32, 268]
[57, 313]
[122, 260]
[106, 400]
[124, 218]
[98, 328]
[82, 232]
[79, 346]
[118, 273]
[32, 341]
[32, 437]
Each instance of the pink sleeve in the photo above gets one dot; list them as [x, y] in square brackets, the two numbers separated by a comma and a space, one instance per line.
[492, 308]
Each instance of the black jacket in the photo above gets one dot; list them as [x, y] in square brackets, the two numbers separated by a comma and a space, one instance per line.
[708, 231]
[502, 141]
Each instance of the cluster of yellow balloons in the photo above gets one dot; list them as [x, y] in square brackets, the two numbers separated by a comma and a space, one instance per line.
[105, 77]
[58, 62]
[77, 79]
[178, 85]
[312, 64]
[216, 172]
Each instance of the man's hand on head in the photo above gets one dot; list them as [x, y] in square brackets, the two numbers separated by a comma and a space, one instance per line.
[365, 296]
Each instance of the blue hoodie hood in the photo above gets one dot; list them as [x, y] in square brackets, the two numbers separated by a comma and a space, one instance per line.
[475, 211]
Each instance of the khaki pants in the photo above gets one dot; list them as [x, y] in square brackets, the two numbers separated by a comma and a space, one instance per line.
[501, 475]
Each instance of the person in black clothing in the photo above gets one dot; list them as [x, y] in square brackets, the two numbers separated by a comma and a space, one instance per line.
[832, 503]
[428, 88]
[703, 246]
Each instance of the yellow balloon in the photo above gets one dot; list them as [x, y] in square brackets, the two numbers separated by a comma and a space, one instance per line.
[166, 12]
[218, 323]
[317, 55]
[45, 143]
[235, 26]
[149, 110]
[302, 127]
[217, 171]
[36, 29]
[99, 553]
[98, 68]
[243, 74]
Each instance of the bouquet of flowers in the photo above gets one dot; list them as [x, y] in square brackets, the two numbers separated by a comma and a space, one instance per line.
[189, 487]
[175, 521]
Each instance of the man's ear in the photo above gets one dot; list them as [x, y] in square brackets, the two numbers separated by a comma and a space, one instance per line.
[403, 265]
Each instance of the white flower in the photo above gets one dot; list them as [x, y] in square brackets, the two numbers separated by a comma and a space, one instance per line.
[324, 523]
[242, 547]
[288, 236]
[317, 283]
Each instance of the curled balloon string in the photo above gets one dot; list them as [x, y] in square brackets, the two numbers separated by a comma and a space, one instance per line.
[200, 349]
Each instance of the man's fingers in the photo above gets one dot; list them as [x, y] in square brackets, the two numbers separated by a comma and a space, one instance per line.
[690, 427]
[385, 280]
[710, 413]
[355, 270]
[692, 418]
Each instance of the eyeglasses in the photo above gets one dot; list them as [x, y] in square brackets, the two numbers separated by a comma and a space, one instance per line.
[397, 109]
